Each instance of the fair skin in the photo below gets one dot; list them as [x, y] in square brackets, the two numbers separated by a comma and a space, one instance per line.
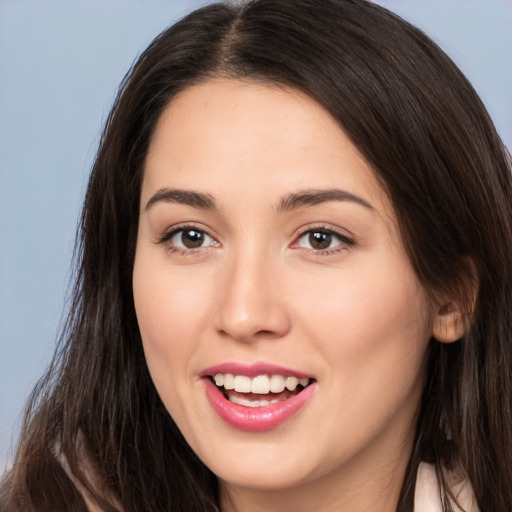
[244, 274]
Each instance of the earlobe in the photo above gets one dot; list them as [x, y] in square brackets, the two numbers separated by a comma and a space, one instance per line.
[449, 324]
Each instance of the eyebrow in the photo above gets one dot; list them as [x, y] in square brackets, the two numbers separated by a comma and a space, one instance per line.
[187, 197]
[314, 197]
[293, 201]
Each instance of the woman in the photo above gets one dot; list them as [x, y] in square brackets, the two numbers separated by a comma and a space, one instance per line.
[294, 283]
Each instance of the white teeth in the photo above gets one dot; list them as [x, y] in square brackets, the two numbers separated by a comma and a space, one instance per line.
[229, 381]
[291, 383]
[261, 385]
[242, 384]
[252, 403]
[277, 383]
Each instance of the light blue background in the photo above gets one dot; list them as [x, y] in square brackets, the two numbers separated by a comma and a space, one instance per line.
[60, 65]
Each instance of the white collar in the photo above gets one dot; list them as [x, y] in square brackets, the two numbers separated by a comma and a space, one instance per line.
[427, 495]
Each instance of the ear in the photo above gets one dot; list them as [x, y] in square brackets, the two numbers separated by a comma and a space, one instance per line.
[453, 316]
[449, 324]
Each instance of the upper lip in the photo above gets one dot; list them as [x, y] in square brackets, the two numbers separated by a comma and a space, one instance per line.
[252, 370]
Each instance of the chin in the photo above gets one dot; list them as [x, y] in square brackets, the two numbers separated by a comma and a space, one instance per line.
[274, 465]
[262, 478]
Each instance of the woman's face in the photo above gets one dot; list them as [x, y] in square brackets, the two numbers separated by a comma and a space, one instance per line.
[269, 256]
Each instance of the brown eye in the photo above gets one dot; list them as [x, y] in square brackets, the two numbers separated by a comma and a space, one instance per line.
[319, 240]
[191, 238]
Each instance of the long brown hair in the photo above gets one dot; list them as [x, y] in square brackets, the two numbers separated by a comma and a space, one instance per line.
[433, 147]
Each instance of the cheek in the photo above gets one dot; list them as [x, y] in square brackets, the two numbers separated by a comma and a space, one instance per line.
[372, 331]
[159, 305]
[170, 311]
[169, 306]
[372, 326]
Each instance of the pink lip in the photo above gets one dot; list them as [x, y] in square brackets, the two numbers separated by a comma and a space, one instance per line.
[254, 419]
[252, 370]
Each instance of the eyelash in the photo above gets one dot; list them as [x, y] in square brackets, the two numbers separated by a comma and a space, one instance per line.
[345, 242]
[168, 235]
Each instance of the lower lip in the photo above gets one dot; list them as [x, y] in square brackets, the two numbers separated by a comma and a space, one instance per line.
[256, 419]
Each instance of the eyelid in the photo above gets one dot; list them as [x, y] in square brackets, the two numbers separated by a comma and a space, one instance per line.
[347, 239]
[166, 235]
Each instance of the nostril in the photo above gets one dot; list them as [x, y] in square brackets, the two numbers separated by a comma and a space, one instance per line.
[264, 333]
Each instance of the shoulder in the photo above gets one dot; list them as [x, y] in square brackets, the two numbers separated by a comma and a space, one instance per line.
[428, 496]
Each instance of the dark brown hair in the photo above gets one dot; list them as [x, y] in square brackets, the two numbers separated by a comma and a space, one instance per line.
[417, 121]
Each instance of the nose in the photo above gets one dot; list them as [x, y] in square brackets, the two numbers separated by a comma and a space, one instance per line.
[252, 304]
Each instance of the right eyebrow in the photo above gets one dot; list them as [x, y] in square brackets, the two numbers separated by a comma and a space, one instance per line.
[314, 196]
[187, 197]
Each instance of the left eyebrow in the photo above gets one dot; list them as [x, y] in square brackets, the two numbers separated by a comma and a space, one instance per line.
[314, 197]
[187, 197]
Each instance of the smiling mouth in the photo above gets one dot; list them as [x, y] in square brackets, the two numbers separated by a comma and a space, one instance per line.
[259, 391]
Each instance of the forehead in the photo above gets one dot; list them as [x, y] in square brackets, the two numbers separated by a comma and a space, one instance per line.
[244, 137]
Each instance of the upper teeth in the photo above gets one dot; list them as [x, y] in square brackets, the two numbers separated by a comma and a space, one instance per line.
[262, 384]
